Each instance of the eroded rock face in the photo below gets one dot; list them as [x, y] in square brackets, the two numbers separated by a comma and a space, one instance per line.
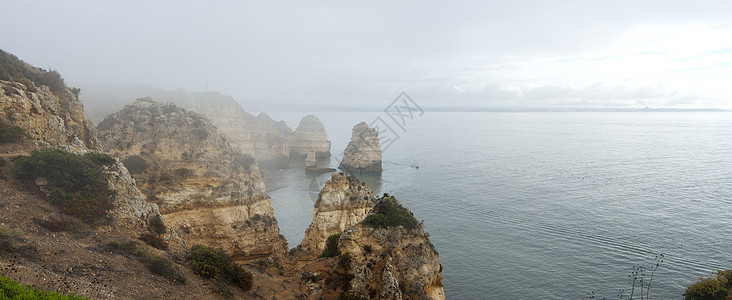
[49, 119]
[207, 193]
[342, 203]
[130, 205]
[394, 262]
[363, 153]
[260, 136]
[56, 119]
[309, 136]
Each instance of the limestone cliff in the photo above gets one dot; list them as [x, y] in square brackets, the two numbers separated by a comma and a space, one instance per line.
[49, 118]
[51, 115]
[207, 193]
[343, 202]
[258, 136]
[363, 153]
[309, 136]
[392, 262]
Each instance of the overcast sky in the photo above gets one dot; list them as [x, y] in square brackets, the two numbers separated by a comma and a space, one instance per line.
[347, 53]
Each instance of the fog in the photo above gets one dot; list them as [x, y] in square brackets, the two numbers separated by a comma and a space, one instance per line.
[517, 54]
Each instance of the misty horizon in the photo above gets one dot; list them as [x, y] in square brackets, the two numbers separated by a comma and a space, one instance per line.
[471, 56]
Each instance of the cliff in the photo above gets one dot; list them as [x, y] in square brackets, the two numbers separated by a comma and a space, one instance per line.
[363, 153]
[342, 203]
[49, 118]
[50, 114]
[309, 136]
[207, 193]
[392, 262]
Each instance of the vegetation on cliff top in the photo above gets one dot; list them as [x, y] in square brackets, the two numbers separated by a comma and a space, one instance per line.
[388, 212]
[713, 287]
[14, 69]
[10, 289]
[75, 183]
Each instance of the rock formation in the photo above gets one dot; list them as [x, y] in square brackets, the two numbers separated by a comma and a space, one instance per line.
[363, 153]
[309, 136]
[393, 262]
[48, 118]
[260, 136]
[310, 161]
[343, 202]
[207, 193]
[54, 117]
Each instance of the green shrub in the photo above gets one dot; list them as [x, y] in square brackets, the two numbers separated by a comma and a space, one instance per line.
[711, 288]
[99, 158]
[157, 225]
[217, 265]
[75, 183]
[345, 261]
[156, 264]
[162, 267]
[135, 164]
[14, 69]
[10, 289]
[331, 246]
[388, 212]
[9, 133]
[154, 240]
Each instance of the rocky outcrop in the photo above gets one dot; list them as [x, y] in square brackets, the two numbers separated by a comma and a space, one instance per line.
[363, 153]
[393, 262]
[308, 137]
[54, 117]
[49, 119]
[130, 205]
[207, 193]
[310, 161]
[343, 202]
[263, 138]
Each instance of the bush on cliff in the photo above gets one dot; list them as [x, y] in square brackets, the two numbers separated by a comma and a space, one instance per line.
[135, 164]
[10, 289]
[388, 212]
[217, 265]
[331, 246]
[75, 183]
[9, 133]
[711, 288]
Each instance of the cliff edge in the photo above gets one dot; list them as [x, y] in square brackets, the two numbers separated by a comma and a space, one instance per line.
[207, 193]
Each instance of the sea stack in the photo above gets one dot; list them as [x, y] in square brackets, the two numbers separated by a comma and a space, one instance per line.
[342, 203]
[363, 153]
[309, 136]
[392, 256]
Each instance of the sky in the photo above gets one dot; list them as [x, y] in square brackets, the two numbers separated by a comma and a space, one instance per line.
[495, 54]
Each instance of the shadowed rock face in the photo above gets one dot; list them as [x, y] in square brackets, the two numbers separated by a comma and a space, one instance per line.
[363, 153]
[343, 202]
[309, 136]
[207, 193]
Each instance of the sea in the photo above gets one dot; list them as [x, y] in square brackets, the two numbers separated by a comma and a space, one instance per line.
[545, 205]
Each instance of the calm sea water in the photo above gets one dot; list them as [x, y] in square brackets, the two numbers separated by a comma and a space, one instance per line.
[548, 205]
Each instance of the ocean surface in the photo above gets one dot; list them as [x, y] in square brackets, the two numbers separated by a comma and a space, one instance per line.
[547, 205]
